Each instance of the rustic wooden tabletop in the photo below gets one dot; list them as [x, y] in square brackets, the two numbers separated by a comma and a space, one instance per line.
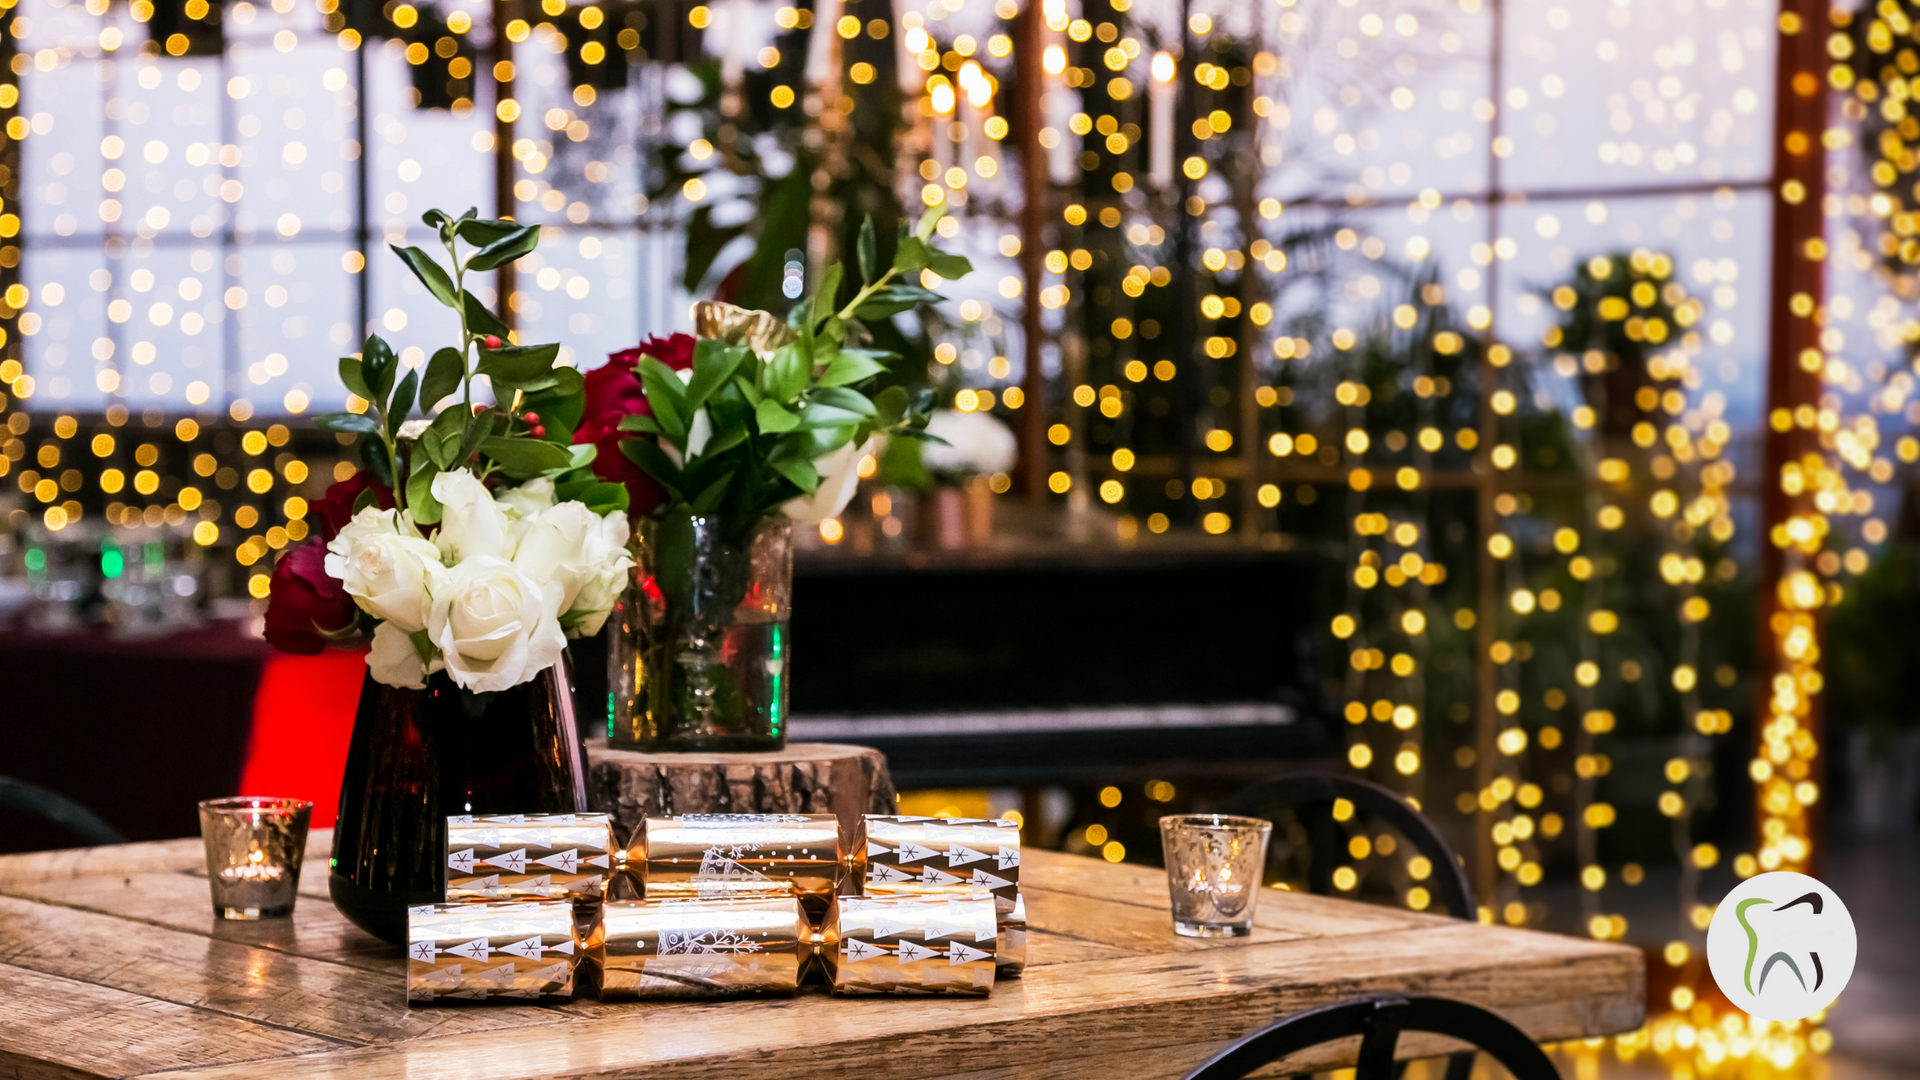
[113, 965]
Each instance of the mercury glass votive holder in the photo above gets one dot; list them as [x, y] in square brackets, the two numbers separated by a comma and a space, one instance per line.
[253, 854]
[1214, 863]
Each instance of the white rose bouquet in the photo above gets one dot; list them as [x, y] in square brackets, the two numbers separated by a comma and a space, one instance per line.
[479, 539]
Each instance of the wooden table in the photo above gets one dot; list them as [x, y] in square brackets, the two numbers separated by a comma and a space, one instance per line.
[112, 964]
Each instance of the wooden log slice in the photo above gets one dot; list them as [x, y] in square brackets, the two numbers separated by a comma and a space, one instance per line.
[804, 778]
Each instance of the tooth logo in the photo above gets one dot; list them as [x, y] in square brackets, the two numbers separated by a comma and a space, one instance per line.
[1781, 946]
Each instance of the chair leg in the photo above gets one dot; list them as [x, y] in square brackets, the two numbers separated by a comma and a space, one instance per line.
[1382, 1036]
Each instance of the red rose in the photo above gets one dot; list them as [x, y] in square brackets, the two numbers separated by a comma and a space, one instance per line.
[305, 602]
[613, 393]
[335, 508]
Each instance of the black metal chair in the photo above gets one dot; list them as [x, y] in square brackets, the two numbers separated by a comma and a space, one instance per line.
[56, 809]
[1313, 795]
[1379, 1021]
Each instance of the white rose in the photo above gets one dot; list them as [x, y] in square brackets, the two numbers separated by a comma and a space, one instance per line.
[386, 567]
[495, 626]
[581, 552]
[530, 498]
[838, 477]
[471, 523]
[394, 661]
[977, 442]
[601, 590]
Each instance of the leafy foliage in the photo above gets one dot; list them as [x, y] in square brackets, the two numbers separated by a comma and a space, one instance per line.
[741, 436]
[526, 433]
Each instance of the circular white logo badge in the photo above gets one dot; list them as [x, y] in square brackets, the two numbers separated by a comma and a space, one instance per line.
[1781, 946]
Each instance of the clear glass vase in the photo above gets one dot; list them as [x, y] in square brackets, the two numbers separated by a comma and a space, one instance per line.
[697, 648]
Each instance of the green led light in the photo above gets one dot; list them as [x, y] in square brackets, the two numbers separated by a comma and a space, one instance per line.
[112, 562]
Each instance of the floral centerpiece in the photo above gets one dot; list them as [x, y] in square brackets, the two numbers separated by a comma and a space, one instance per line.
[476, 541]
[726, 439]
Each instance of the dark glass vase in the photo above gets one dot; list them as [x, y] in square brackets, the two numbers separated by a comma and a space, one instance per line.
[418, 756]
[697, 648]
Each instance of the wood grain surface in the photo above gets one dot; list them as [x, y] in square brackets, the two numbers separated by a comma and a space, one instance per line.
[112, 964]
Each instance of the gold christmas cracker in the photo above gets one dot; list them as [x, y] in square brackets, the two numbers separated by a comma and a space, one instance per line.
[529, 857]
[921, 856]
[715, 856]
[700, 948]
[908, 945]
[472, 952]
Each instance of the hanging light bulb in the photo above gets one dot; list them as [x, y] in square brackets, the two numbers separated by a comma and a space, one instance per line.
[1055, 60]
[974, 81]
[1163, 67]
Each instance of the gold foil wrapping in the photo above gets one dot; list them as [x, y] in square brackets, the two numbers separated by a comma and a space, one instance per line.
[701, 948]
[908, 945]
[719, 856]
[916, 856]
[529, 857]
[951, 857]
[473, 952]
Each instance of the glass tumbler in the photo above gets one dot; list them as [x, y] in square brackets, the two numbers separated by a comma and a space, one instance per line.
[253, 854]
[1214, 863]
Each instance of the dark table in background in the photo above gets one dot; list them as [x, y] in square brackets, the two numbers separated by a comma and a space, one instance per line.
[137, 730]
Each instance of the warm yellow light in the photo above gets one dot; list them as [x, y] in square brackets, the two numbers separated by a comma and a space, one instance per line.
[1163, 67]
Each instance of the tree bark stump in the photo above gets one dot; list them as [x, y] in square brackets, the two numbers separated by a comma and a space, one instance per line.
[804, 778]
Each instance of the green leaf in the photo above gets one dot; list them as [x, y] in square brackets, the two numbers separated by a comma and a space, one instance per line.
[583, 455]
[911, 256]
[892, 404]
[523, 458]
[441, 440]
[478, 430]
[949, 266]
[733, 436]
[350, 376]
[402, 402]
[774, 417]
[434, 219]
[749, 391]
[865, 246]
[929, 221]
[817, 415]
[373, 454]
[647, 454]
[848, 400]
[506, 249]
[643, 424]
[429, 272]
[825, 297]
[713, 365]
[444, 373]
[709, 499]
[347, 423]
[482, 321]
[850, 366]
[483, 231]
[668, 399]
[600, 496]
[377, 364]
[420, 501]
[517, 366]
[799, 470]
[786, 374]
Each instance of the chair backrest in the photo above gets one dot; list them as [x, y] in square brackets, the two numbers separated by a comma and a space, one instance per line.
[58, 810]
[1379, 1021]
[1316, 792]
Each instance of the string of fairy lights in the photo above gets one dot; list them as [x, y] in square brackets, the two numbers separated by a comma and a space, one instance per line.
[1493, 618]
